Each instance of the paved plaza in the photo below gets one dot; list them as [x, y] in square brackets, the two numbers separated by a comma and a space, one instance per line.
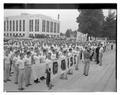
[100, 79]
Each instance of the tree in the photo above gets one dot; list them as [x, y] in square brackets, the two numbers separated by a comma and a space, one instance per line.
[68, 33]
[109, 27]
[90, 21]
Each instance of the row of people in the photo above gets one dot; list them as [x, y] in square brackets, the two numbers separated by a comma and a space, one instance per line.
[22, 59]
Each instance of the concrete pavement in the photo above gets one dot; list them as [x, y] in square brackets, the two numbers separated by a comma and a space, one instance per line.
[100, 79]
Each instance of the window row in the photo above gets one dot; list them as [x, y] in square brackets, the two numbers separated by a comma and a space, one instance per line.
[49, 26]
[34, 25]
[14, 25]
[14, 34]
[42, 35]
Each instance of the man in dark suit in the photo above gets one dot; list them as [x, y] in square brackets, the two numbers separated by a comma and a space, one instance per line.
[97, 54]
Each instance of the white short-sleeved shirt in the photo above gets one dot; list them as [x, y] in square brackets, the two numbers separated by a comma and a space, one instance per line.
[28, 60]
[48, 61]
[69, 54]
[62, 56]
[21, 63]
[53, 56]
[101, 50]
[7, 59]
[15, 59]
[43, 57]
[37, 59]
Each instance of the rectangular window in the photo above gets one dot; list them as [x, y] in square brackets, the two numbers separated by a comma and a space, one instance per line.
[19, 25]
[13, 25]
[4, 25]
[31, 25]
[54, 27]
[37, 25]
[7, 25]
[23, 25]
[10, 25]
[47, 26]
[51, 27]
[43, 25]
[16, 25]
[58, 28]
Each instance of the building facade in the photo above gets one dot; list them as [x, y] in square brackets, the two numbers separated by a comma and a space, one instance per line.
[27, 25]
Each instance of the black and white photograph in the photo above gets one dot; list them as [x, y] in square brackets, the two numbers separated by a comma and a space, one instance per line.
[60, 47]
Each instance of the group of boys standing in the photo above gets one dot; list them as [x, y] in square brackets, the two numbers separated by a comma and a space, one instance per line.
[22, 60]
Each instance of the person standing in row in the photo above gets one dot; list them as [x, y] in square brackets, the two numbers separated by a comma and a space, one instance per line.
[28, 63]
[11, 53]
[20, 63]
[36, 58]
[16, 70]
[6, 66]
[100, 54]
[86, 61]
[97, 54]
[48, 76]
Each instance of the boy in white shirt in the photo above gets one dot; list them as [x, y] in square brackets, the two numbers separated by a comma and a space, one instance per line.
[21, 67]
[6, 66]
[64, 75]
[16, 70]
[28, 63]
[36, 58]
[100, 55]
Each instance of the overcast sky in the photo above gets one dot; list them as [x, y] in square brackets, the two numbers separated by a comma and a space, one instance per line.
[67, 16]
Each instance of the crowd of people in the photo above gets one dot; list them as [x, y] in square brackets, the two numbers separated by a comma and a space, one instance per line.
[21, 54]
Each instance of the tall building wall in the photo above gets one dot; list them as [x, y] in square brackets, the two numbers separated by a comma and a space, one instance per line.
[27, 25]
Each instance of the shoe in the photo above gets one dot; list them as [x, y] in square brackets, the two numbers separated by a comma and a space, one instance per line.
[42, 78]
[20, 88]
[36, 81]
[5, 81]
[12, 73]
[16, 82]
[8, 80]
[29, 84]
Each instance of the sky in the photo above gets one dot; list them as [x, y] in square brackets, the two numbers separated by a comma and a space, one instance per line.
[67, 16]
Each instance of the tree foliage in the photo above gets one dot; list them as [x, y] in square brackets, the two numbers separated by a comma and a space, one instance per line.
[71, 33]
[90, 21]
[109, 26]
[68, 32]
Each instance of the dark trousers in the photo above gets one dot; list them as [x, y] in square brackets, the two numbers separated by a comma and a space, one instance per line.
[48, 81]
[97, 58]
[10, 65]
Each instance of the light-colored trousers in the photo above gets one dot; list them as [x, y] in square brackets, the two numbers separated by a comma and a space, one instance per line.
[86, 66]
[78, 61]
[16, 73]
[100, 58]
[6, 71]
[21, 78]
[27, 75]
